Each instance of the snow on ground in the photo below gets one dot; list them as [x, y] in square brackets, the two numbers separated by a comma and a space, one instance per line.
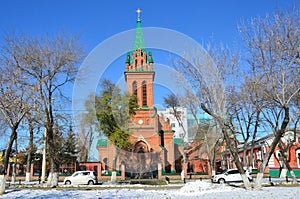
[196, 189]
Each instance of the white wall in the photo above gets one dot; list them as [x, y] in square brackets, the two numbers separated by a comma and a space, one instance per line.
[179, 132]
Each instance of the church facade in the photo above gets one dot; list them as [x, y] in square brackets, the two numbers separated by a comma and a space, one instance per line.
[151, 138]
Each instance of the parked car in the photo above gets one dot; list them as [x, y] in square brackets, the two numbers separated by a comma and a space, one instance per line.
[230, 175]
[82, 177]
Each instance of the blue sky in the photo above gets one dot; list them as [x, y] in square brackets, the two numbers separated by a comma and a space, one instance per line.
[96, 20]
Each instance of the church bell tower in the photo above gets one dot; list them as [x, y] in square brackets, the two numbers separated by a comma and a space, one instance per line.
[139, 76]
[151, 135]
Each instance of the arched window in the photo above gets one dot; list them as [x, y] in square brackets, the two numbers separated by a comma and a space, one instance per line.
[134, 88]
[298, 157]
[144, 88]
[162, 140]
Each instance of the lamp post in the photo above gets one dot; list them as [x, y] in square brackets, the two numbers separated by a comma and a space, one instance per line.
[43, 176]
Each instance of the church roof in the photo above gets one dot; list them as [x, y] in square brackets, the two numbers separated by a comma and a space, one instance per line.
[102, 142]
[139, 39]
[178, 141]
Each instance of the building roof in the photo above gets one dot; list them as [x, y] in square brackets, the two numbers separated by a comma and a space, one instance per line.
[178, 141]
[139, 39]
[102, 142]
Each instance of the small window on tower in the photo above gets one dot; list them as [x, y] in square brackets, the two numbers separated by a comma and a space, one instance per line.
[144, 87]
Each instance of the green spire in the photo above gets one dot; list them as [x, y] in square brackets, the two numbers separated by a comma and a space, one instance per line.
[139, 39]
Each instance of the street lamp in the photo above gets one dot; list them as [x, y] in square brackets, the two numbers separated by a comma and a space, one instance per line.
[43, 176]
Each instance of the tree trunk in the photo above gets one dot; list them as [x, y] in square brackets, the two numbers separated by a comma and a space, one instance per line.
[115, 159]
[258, 181]
[13, 177]
[251, 156]
[293, 176]
[254, 138]
[262, 167]
[27, 176]
[278, 135]
[290, 169]
[245, 158]
[2, 183]
[178, 118]
[286, 162]
[234, 153]
[213, 166]
[266, 160]
[86, 154]
[210, 166]
[231, 144]
[5, 159]
[28, 164]
[246, 181]
[52, 180]
[184, 160]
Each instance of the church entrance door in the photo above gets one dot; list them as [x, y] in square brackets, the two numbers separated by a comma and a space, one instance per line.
[142, 163]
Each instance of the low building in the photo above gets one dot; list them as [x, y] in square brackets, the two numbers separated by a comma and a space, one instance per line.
[260, 148]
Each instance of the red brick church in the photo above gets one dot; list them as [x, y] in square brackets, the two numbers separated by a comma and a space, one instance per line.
[151, 137]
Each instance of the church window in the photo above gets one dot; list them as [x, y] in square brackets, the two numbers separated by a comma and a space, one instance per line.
[144, 87]
[162, 141]
[134, 88]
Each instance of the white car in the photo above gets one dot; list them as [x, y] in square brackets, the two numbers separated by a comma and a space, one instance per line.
[230, 175]
[82, 177]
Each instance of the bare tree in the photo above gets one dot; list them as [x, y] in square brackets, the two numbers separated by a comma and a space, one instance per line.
[207, 79]
[30, 148]
[13, 108]
[203, 129]
[50, 64]
[86, 136]
[272, 44]
[32, 123]
[172, 102]
[245, 112]
[87, 128]
[272, 82]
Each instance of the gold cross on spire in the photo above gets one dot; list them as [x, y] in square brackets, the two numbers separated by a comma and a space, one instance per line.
[139, 12]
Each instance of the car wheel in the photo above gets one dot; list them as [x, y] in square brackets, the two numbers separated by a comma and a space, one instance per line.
[221, 181]
[68, 182]
[91, 182]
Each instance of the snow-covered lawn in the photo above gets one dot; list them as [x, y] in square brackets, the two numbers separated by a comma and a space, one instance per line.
[196, 189]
